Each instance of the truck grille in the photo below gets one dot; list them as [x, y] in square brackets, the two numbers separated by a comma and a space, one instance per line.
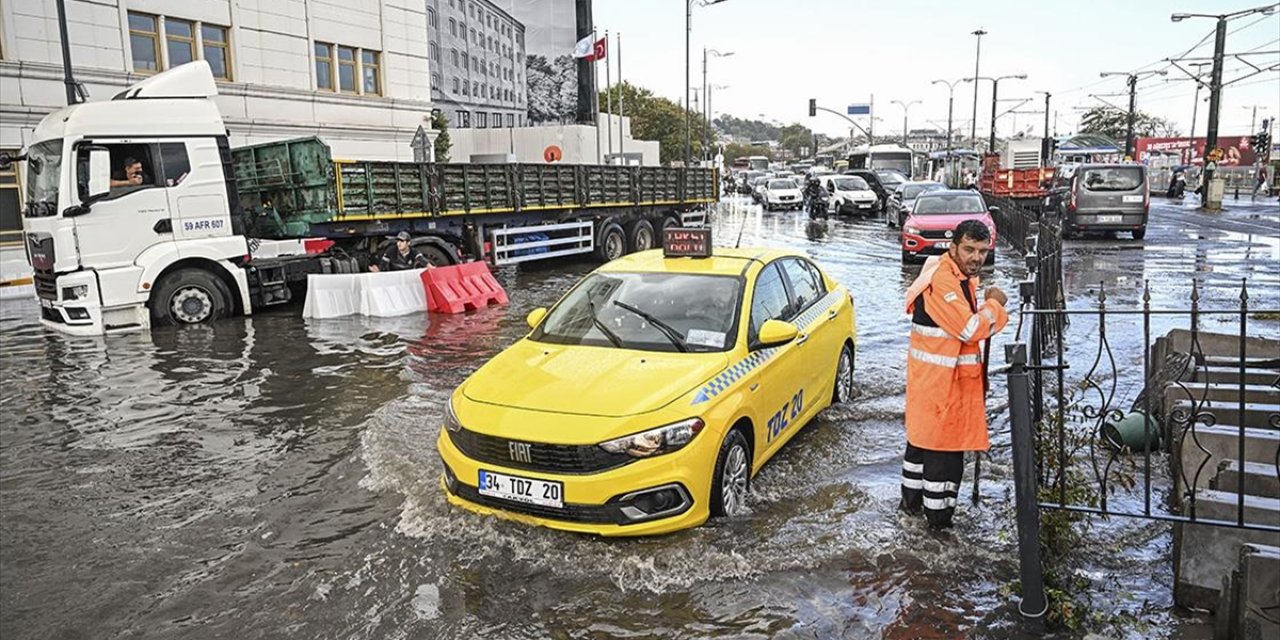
[46, 285]
[550, 458]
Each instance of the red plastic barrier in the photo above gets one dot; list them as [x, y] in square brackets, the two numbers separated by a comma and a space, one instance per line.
[463, 287]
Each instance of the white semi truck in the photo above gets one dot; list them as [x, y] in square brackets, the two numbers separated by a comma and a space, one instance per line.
[209, 231]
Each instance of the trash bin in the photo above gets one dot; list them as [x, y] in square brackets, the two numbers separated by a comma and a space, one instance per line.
[1127, 432]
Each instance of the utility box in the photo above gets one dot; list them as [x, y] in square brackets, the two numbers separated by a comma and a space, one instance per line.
[1023, 154]
[1213, 194]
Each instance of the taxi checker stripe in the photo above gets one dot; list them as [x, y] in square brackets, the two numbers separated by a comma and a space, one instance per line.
[739, 369]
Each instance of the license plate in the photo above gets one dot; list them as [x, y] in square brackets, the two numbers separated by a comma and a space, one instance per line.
[945, 244]
[1130, 199]
[1109, 219]
[527, 490]
[864, 206]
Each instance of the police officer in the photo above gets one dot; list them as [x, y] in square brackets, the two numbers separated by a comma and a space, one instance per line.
[400, 256]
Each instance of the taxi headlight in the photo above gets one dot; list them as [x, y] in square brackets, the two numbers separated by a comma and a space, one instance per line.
[450, 418]
[657, 441]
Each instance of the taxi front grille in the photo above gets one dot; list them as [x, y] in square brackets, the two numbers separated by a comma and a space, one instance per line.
[549, 458]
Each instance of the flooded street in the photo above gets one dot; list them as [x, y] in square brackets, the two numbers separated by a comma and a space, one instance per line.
[274, 477]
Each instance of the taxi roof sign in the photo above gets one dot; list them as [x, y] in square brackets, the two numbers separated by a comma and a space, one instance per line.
[679, 242]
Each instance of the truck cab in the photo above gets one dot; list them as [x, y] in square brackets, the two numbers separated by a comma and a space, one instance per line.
[129, 209]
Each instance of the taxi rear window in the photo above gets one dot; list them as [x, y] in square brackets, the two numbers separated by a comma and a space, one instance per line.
[647, 312]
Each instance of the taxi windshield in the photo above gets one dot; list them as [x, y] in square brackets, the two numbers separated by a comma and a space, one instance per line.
[647, 312]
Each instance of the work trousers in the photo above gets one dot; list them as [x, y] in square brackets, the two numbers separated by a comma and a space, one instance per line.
[931, 479]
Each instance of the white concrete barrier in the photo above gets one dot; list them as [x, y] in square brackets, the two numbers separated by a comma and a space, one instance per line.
[384, 294]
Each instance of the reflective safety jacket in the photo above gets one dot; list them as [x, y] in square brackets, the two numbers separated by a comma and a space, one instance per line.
[946, 401]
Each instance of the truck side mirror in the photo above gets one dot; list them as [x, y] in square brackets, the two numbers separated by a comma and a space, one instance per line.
[99, 174]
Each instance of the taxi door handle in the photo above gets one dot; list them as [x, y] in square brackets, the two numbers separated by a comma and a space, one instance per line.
[831, 315]
[755, 386]
[804, 337]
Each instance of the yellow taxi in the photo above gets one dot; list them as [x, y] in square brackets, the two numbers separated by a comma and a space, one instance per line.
[645, 400]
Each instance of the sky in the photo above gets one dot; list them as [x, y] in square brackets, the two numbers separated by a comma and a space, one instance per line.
[846, 51]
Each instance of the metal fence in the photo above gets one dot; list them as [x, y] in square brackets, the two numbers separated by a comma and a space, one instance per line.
[1069, 415]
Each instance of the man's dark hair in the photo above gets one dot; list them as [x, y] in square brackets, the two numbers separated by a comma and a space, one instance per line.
[973, 230]
[129, 162]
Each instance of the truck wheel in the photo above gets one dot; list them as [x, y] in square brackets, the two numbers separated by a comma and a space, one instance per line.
[611, 244]
[640, 235]
[436, 255]
[189, 296]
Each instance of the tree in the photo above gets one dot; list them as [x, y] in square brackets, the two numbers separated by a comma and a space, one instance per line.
[1114, 124]
[441, 124]
[657, 118]
[753, 130]
[735, 150]
[796, 137]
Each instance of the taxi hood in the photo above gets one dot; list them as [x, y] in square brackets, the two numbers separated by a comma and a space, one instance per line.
[583, 380]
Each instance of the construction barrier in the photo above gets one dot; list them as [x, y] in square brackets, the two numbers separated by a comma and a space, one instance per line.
[459, 288]
[385, 294]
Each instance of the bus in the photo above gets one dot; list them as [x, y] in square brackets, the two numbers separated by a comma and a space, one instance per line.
[884, 156]
[757, 163]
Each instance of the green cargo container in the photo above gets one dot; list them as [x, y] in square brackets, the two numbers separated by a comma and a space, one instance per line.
[288, 187]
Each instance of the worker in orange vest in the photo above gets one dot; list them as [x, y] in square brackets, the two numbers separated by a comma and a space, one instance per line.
[946, 394]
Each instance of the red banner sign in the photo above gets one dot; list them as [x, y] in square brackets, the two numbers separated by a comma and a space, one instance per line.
[1238, 151]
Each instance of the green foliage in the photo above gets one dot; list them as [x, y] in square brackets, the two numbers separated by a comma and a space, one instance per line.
[440, 123]
[1114, 123]
[656, 118]
[735, 150]
[751, 130]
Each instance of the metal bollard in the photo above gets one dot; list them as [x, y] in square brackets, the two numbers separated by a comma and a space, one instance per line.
[1033, 605]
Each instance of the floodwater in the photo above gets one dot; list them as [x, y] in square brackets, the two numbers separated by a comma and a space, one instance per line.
[274, 477]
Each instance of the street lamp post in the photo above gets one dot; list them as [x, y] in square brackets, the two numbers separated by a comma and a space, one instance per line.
[688, 30]
[906, 106]
[951, 94]
[995, 90]
[973, 126]
[1211, 199]
[1133, 97]
[706, 140]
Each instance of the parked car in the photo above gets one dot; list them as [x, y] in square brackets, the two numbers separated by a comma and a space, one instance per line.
[781, 193]
[903, 199]
[744, 181]
[1104, 197]
[928, 230]
[850, 195]
[873, 181]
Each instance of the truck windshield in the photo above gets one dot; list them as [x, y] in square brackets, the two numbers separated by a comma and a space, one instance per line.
[44, 174]
[693, 312]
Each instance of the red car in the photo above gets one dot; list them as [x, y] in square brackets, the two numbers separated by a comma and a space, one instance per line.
[928, 228]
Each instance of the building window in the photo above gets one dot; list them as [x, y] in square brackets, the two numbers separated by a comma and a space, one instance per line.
[453, 27]
[180, 41]
[511, 120]
[455, 84]
[216, 51]
[474, 37]
[433, 52]
[475, 89]
[453, 56]
[436, 81]
[10, 203]
[347, 69]
[144, 41]
[451, 5]
[475, 64]
[482, 120]
[465, 57]
[466, 89]
[431, 18]
[324, 66]
[369, 69]
[466, 119]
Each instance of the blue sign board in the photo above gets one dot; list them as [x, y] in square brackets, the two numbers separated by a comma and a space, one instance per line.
[859, 109]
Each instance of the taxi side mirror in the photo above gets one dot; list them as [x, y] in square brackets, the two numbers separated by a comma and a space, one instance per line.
[775, 333]
[535, 317]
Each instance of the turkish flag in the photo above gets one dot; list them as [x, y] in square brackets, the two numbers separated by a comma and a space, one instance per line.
[598, 50]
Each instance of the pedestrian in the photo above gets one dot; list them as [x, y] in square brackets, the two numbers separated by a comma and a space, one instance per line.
[946, 389]
[970, 180]
[400, 256]
[1262, 181]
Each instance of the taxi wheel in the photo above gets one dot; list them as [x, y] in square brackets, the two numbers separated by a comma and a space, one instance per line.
[732, 478]
[843, 391]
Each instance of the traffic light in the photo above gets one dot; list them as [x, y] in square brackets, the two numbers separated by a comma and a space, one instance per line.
[813, 107]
